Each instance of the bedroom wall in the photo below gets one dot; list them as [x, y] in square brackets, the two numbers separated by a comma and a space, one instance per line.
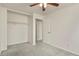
[30, 31]
[61, 28]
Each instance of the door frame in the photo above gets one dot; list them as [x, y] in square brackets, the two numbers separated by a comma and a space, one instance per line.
[34, 29]
[38, 20]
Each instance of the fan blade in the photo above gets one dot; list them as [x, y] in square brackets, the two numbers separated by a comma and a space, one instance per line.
[34, 4]
[54, 4]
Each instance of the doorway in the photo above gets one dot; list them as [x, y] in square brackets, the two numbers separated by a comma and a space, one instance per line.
[39, 30]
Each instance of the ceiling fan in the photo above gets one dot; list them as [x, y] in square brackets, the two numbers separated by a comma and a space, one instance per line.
[44, 5]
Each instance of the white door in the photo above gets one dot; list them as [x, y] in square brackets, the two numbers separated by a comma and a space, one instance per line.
[39, 28]
[17, 28]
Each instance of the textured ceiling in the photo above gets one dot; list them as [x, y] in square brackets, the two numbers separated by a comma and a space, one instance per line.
[36, 9]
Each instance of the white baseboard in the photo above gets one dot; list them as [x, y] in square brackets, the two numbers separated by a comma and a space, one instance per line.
[62, 48]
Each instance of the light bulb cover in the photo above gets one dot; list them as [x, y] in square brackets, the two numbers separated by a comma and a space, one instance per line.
[45, 5]
[40, 4]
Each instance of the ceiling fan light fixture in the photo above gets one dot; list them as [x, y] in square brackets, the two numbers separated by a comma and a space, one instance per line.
[41, 4]
[45, 5]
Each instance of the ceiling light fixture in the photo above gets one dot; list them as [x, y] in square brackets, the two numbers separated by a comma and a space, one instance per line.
[40, 4]
[44, 5]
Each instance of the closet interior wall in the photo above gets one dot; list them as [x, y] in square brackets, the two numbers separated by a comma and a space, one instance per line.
[19, 28]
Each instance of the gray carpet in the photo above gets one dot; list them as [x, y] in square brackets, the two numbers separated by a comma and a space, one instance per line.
[41, 49]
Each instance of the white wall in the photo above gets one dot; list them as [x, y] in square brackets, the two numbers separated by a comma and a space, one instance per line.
[17, 28]
[64, 27]
[3, 28]
[30, 29]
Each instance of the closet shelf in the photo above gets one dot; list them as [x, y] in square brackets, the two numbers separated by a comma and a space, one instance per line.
[17, 22]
